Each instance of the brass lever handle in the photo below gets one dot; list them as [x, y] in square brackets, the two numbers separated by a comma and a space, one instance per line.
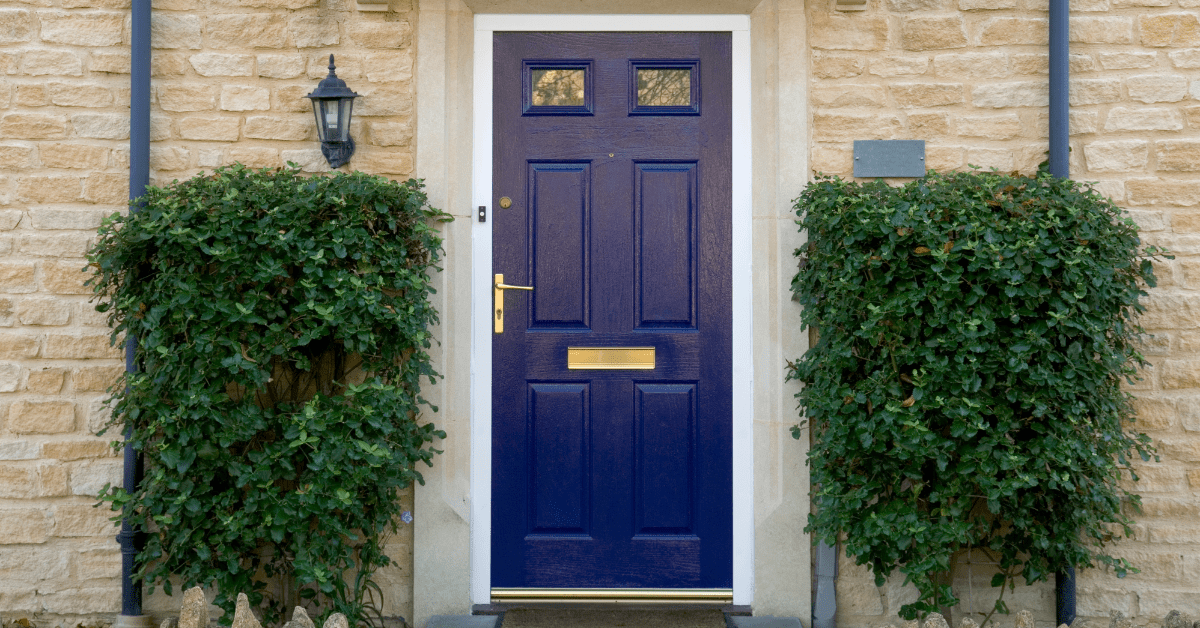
[498, 296]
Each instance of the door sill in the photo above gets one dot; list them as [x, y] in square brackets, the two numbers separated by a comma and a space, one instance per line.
[712, 598]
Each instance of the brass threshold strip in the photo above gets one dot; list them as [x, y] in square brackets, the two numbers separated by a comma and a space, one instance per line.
[613, 596]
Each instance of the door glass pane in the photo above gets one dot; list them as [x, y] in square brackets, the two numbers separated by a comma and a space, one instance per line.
[664, 87]
[557, 87]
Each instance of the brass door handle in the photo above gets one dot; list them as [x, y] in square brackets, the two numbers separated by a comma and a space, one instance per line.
[498, 289]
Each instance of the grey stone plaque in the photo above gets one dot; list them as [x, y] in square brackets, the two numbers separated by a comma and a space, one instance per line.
[889, 158]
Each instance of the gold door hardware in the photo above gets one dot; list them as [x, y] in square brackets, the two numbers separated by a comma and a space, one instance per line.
[610, 358]
[505, 202]
[498, 297]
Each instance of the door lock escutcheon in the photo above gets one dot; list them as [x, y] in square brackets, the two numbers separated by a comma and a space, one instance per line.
[498, 288]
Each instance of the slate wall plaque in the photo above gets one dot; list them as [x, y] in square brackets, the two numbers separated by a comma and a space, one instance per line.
[889, 158]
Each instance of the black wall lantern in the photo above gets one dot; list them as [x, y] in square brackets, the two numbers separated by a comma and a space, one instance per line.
[333, 104]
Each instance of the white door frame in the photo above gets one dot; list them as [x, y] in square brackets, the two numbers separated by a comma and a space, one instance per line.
[481, 276]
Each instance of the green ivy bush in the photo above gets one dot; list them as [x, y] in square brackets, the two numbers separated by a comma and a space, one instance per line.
[283, 334]
[965, 390]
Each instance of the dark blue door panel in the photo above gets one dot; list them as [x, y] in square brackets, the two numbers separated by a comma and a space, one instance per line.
[620, 219]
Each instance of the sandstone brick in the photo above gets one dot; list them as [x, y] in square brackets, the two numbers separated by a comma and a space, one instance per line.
[44, 311]
[245, 98]
[41, 417]
[52, 481]
[1081, 122]
[1153, 191]
[109, 62]
[52, 62]
[82, 156]
[1173, 533]
[82, 520]
[15, 156]
[16, 25]
[390, 133]
[1185, 59]
[1158, 601]
[904, 6]
[73, 95]
[173, 31]
[858, 596]
[1154, 414]
[929, 124]
[1156, 568]
[999, 158]
[1157, 479]
[290, 99]
[54, 244]
[18, 449]
[81, 28]
[211, 158]
[1117, 156]
[250, 30]
[855, 95]
[64, 277]
[986, 5]
[93, 564]
[978, 65]
[260, 157]
[273, 128]
[997, 127]
[314, 31]
[31, 96]
[76, 449]
[831, 31]
[83, 600]
[1094, 91]
[1181, 374]
[23, 525]
[97, 4]
[101, 126]
[1101, 30]
[1194, 478]
[280, 66]
[396, 34]
[851, 126]
[186, 97]
[216, 129]
[80, 346]
[892, 66]
[385, 161]
[1178, 155]
[33, 126]
[14, 346]
[1190, 269]
[107, 187]
[309, 159]
[216, 64]
[1152, 88]
[9, 219]
[1143, 119]
[832, 159]
[96, 378]
[384, 100]
[89, 478]
[1005, 95]
[18, 481]
[167, 64]
[835, 66]
[1003, 31]
[926, 94]
[169, 158]
[1169, 29]
[1126, 60]
[275, 4]
[388, 66]
[348, 64]
[49, 189]
[932, 33]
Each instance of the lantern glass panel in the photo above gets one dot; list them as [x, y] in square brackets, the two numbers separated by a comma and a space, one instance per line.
[345, 105]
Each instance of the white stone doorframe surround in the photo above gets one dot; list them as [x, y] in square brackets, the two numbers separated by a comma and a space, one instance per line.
[453, 154]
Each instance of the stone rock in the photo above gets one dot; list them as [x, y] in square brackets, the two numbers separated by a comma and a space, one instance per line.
[935, 620]
[1176, 619]
[1117, 619]
[912, 623]
[243, 617]
[336, 620]
[193, 613]
[967, 622]
[1024, 619]
[300, 619]
[167, 623]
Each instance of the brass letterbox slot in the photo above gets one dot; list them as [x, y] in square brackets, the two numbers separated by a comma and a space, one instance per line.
[610, 358]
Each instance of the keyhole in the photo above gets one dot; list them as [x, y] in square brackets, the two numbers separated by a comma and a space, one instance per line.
[610, 154]
[499, 313]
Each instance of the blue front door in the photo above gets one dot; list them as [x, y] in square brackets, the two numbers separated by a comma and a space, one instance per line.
[611, 378]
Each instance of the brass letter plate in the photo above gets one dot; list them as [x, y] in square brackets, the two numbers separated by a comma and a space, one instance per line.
[610, 358]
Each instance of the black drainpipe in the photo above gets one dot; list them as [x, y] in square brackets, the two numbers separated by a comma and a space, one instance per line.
[1060, 70]
[139, 177]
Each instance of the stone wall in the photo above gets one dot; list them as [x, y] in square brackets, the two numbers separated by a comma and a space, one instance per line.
[228, 85]
[970, 78]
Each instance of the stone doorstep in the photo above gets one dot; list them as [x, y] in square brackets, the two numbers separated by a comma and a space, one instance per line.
[743, 621]
[495, 621]
[464, 621]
